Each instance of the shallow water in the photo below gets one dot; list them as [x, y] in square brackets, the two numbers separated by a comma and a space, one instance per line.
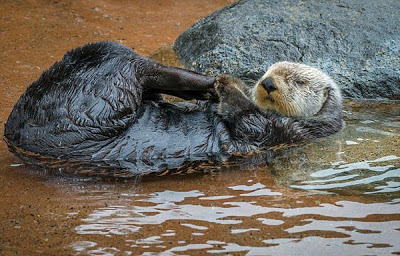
[334, 196]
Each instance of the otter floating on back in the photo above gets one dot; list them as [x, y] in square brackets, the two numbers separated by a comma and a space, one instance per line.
[101, 103]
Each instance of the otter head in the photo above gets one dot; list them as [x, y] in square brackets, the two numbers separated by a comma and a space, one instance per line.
[293, 89]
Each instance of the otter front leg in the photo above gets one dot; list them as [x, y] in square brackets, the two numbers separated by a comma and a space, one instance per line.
[233, 96]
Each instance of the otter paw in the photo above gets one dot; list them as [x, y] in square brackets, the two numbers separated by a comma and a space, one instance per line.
[224, 86]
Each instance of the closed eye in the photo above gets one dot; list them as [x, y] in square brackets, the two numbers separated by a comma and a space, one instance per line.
[300, 82]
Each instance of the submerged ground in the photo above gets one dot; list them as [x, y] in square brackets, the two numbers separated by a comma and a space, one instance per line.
[339, 194]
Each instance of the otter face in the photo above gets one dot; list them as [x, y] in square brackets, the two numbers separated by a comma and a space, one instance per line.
[293, 89]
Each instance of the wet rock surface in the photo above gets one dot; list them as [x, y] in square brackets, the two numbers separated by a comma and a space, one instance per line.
[356, 42]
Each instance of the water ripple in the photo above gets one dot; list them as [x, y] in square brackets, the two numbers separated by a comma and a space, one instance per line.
[357, 174]
[345, 222]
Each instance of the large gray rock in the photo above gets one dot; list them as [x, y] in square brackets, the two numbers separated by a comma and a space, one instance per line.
[357, 42]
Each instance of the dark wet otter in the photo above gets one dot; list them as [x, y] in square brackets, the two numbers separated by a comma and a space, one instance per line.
[101, 103]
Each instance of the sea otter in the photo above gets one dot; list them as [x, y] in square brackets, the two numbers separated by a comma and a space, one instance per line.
[101, 103]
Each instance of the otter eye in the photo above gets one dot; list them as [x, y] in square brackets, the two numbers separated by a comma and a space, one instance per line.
[300, 82]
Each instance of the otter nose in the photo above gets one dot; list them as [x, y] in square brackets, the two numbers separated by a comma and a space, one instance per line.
[268, 84]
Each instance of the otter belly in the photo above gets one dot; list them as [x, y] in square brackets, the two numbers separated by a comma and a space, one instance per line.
[160, 136]
[168, 134]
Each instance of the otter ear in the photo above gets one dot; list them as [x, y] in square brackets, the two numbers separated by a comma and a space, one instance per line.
[325, 96]
[326, 93]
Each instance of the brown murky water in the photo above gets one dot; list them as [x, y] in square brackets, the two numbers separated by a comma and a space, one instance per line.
[335, 196]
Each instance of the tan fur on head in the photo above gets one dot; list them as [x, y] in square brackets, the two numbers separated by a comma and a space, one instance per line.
[300, 90]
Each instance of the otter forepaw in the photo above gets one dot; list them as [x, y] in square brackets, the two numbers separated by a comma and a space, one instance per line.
[227, 94]
[231, 99]
[224, 86]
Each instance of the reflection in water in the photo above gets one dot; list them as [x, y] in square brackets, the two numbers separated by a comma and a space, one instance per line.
[364, 173]
[317, 245]
[364, 158]
[344, 225]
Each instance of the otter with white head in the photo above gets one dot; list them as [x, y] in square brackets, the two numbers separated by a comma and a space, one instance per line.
[293, 89]
[291, 102]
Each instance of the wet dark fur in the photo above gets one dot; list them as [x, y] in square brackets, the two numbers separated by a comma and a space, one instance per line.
[99, 103]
